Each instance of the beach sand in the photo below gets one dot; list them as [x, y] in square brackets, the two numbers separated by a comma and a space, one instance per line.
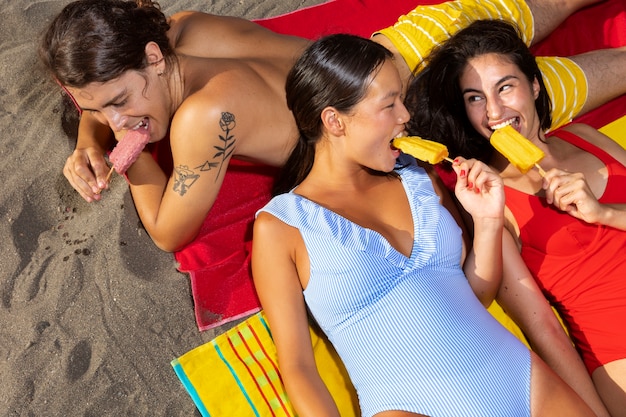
[91, 311]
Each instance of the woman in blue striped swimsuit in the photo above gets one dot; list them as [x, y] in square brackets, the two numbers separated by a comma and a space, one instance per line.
[366, 247]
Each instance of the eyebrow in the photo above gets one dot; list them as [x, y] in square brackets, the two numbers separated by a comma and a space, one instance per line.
[110, 102]
[469, 90]
[500, 81]
[391, 94]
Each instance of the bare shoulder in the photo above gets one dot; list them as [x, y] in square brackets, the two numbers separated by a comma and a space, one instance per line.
[250, 96]
[223, 104]
[267, 226]
[203, 34]
[207, 122]
[597, 138]
[275, 237]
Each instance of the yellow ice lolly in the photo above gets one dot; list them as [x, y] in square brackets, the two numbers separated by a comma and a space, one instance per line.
[520, 152]
[422, 149]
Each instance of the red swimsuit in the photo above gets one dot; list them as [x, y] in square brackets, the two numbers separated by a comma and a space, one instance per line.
[580, 267]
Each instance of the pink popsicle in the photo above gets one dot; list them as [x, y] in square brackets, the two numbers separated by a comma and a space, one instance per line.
[128, 149]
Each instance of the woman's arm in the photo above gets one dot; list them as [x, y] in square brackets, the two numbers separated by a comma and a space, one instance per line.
[86, 168]
[275, 249]
[520, 297]
[203, 139]
[572, 192]
[481, 193]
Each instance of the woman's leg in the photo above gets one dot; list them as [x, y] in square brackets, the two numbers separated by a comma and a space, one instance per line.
[548, 14]
[604, 69]
[610, 381]
[550, 396]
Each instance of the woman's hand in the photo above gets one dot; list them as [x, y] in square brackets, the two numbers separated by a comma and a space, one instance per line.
[569, 192]
[481, 192]
[479, 189]
[86, 170]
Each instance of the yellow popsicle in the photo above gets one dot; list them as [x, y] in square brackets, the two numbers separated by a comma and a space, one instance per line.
[520, 152]
[422, 149]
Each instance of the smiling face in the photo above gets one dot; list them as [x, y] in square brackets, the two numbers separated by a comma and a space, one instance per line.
[135, 99]
[376, 121]
[496, 93]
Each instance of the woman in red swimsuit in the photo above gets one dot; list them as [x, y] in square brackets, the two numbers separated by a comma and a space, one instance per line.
[569, 226]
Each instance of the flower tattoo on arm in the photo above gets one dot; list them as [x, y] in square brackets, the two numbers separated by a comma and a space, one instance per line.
[227, 124]
[184, 177]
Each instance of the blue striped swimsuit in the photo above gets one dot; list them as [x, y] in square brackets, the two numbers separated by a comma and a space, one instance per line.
[410, 331]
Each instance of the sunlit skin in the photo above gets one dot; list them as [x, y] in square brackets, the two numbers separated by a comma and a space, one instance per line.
[242, 74]
[342, 179]
[191, 97]
[495, 91]
[376, 121]
[129, 100]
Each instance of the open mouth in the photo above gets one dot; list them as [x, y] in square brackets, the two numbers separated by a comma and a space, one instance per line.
[514, 121]
[399, 135]
[143, 124]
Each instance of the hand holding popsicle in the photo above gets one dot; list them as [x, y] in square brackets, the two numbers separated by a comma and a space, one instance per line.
[521, 152]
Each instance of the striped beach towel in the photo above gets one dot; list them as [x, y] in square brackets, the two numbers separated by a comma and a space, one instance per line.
[236, 374]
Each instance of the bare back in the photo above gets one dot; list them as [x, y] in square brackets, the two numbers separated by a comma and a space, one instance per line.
[240, 68]
[226, 100]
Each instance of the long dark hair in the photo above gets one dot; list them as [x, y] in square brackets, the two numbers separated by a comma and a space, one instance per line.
[98, 40]
[434, 98]
[334, 71]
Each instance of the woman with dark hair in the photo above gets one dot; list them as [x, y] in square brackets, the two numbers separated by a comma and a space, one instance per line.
[370, 252]
[566, 229]
[128, 67]
[216, 85]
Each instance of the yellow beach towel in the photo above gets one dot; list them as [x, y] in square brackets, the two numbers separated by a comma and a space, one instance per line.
[616, 130]
[236, 374]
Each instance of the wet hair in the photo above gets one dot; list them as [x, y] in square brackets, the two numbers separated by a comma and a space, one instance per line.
[98, 40]
[335, 71]
[434, 98]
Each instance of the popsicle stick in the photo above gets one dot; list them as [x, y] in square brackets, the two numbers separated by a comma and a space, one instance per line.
[108, 177]
[449, 160]
[109, 174]
[541, 171]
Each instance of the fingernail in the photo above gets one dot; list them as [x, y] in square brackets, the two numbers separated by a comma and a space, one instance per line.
[462, 174]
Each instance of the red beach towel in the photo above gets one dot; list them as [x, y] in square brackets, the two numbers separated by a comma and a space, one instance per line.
[218, 260]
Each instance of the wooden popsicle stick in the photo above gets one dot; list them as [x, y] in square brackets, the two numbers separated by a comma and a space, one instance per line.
[108, 178]
[541, 170]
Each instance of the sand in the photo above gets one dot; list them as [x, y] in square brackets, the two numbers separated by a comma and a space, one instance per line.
[91, 311]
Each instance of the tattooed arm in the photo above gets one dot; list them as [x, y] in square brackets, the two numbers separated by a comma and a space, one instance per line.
[173, 209]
